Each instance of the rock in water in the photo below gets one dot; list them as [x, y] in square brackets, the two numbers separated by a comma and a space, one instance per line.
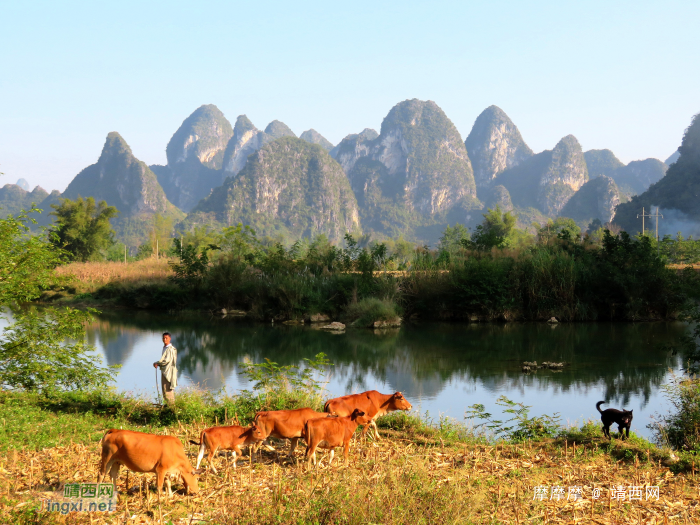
[494, 145]
[597, 199]
[288, 187]
[334, 326]
[195, 155]
[314, 137]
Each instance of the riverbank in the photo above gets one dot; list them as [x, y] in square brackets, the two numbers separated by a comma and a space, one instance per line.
[416, 474]
[623, 281]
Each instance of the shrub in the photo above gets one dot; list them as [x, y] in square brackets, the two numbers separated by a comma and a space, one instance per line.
[369, 310]
[680, 429]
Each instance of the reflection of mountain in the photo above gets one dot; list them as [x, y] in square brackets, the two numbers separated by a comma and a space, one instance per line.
[619, 360]
[117, 342]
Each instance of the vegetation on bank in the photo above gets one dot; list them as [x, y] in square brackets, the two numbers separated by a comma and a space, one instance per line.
[489, 275]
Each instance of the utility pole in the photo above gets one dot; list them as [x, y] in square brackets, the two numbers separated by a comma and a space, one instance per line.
[657, 215]
[642, 216]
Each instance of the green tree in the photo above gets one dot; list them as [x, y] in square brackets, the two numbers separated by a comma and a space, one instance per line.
[452, 238]
[556, 228]
[493, 232]
[82, 228]
[40, 350]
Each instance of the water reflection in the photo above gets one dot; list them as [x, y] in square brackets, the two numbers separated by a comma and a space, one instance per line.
[453, 364]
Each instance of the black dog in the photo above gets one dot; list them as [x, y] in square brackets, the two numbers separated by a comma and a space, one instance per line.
[623, 418]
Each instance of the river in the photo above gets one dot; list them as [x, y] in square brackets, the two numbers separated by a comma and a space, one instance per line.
[441, 368]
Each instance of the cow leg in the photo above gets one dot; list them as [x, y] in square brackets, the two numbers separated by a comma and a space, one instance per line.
[376, 430]
[238, 452]
[168, 485]
[346, 451]
[330, 461]
[114, 473]
[160, 477]
[311, 453]
[212, 453]
[293, 445]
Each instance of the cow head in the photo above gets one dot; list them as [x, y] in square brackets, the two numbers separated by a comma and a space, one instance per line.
[257, 432]
[359, 417]
[398, 402]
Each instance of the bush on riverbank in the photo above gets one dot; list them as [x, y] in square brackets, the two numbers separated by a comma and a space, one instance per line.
[622, 279]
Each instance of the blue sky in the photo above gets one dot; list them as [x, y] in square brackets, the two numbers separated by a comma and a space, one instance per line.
[617, 75]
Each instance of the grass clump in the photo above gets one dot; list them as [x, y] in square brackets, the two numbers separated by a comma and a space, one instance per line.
[366, 312]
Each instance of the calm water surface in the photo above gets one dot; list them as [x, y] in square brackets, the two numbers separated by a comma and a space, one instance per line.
[441, 368]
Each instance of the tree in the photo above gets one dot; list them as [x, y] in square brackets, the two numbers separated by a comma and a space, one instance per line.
[160, 233]
[493, 232]
[82, 228]
[452, 238]
[40, 350]
[556, 228]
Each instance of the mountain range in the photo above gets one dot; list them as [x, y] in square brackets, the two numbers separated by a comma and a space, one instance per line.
[413, 177]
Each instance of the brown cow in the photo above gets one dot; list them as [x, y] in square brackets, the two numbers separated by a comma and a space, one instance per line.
[226, 438]
[285, 424]
[371, 403]
[331, 432]
[141, 452]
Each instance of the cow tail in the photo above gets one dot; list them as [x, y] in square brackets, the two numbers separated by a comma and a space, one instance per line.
[201, 439]
[305, 432]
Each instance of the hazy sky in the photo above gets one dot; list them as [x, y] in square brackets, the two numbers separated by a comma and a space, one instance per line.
[618, 75]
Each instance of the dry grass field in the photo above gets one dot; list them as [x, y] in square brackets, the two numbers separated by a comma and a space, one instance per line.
[89, 276]
[401, 479]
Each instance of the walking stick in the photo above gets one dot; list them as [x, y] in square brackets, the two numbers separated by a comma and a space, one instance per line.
[158, 391]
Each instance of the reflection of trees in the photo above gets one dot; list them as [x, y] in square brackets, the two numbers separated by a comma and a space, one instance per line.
[620, 359]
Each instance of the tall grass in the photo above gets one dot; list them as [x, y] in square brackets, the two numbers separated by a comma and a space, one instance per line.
[622, 280]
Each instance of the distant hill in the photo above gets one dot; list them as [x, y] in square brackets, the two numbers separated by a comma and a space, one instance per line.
[547, 181]
[195, 155]
[677, 193]
[23, 184]
[246, 140]
[494, 145]
[289, 188]
[14, 198]
[126, 183]
[602, 162]
[415, 177]
[673, 158]
[314, 137]
[596, 199]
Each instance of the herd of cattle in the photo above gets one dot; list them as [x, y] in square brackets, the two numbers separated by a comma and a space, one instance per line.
[165, 455]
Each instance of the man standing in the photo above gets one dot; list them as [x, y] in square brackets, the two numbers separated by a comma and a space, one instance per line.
[168, 369]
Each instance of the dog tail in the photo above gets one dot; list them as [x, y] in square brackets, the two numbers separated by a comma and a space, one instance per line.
[597, 405]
